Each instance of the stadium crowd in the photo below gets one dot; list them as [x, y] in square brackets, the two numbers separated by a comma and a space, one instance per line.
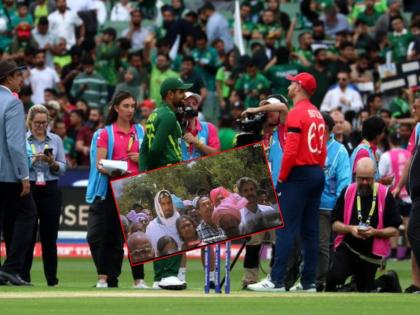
[81, 55]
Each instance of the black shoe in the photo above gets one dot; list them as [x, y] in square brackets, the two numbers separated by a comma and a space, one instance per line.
[2, 282]
[13, 279]
[412, 289]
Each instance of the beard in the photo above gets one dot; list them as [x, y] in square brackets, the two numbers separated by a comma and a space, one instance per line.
[365, 190]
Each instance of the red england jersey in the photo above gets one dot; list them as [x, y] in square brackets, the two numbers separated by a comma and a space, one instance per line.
[305, 141]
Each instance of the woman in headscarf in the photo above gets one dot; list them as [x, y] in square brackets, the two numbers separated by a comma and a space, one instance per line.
[164, 224]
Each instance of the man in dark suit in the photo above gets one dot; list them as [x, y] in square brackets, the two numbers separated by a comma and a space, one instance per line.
[16, 204]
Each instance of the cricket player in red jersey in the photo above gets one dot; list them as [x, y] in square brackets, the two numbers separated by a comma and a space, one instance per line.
[300, 186]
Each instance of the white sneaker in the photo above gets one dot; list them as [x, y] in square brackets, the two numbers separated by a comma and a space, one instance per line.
[299, 288]
[172, 283]
[101, 284]
[156, 286]
[182, 274]
[141, 285]
[265, 286]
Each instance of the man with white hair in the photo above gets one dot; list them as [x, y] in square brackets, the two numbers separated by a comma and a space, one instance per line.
[200, 137]
[164, 224]
[364, 218]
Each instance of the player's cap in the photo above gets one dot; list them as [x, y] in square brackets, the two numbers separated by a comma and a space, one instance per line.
[306, 80]
[172, 84]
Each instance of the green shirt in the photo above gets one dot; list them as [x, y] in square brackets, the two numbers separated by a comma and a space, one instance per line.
[227, 138]
[16, 20]
[161, 146]
[107, 61]
[247, 84]
[96, 91]
[206, 63]
[222, 76]
[277, 75]
[307, 54]
[156, 79]
[370, 19]
[399, 45]
[400, 108]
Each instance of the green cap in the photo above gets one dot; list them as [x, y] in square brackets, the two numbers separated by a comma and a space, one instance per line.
[172, 84]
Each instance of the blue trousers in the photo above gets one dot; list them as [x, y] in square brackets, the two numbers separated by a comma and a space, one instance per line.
[299, 202]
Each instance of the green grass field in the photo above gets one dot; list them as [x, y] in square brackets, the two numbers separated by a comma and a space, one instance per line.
[75, 296]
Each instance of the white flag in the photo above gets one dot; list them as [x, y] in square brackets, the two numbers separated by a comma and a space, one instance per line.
[175, 47]
[237, 30]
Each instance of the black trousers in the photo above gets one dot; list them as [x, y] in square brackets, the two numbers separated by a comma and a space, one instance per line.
[347, 264]
[413, 231]
[137, 272]
[18, 214]
[105, 238]
[48, 204]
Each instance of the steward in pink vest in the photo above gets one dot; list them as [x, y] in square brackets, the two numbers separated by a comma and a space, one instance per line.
[364, 218]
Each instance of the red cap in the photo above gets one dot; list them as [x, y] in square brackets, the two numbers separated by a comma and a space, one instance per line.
[306, 80]
[150, 104]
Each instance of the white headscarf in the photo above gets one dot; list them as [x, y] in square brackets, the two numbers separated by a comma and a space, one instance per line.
[165, 221]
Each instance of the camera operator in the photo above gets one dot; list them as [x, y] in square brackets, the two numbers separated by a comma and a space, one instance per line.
[273, 139]
[199, 137]
[274, 110]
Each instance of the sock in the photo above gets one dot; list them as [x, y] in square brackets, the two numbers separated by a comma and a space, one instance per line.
[182, 274]
[212, 276]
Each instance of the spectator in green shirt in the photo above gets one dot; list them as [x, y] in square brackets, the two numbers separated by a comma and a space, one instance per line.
[268, 25]
[22, 16]
[206, 61]
[399, 39]
[278, 71]
[107, 55]
[370, 15]
[225, 80]
[252, 83]
[160, 72]
[90, 85]
[304, 52]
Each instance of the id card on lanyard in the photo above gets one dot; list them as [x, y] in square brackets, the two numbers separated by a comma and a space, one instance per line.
[40, 176]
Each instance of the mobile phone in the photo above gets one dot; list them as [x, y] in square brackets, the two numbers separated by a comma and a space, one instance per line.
[362, 228]
[48, 152]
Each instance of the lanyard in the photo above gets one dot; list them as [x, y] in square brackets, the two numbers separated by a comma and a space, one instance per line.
[33, 149]
[131, 142]
[372, 208]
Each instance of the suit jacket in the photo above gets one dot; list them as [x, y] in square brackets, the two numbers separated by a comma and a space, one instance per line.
[14, 164]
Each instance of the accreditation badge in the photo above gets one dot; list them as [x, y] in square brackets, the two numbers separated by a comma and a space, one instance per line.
[40, 179]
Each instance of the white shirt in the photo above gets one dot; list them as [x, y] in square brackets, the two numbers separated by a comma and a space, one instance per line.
[155, 231]
[138, 38]
[332, 100]
[101, 12]
[40, 80]
[218, 27]
[80, 5]
[43, 40]
[120, 13]
[249, 216]
[64, 26]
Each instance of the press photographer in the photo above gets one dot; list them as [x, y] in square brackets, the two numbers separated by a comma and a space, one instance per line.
[199, 137]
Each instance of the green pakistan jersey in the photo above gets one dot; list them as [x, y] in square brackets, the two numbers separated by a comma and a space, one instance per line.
[160, 146]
